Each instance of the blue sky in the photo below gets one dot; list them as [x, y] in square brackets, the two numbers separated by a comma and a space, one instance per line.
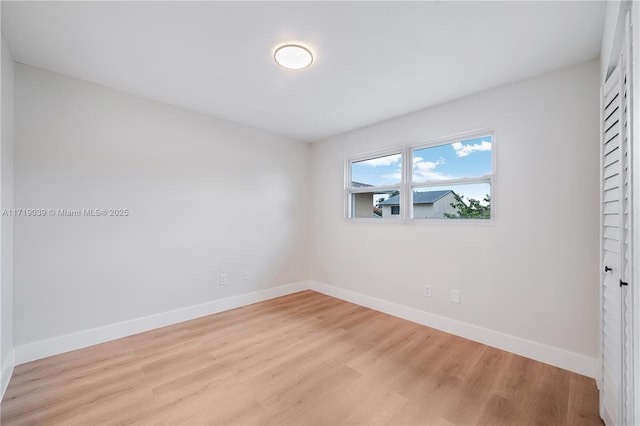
[468, 158]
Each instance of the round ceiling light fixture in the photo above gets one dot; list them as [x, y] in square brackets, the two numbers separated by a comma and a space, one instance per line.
[293, 56]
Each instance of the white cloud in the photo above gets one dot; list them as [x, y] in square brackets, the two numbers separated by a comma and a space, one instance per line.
[389, 160]
[425, 170]
[397, 176]
[464, 150]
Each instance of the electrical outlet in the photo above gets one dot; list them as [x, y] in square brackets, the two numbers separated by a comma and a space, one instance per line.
[455, 296]
[224, 279]
[427, 291]
[245, 275]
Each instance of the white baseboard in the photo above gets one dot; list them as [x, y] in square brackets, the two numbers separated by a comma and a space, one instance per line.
[561, 358]
[7, 372]
[57, 345]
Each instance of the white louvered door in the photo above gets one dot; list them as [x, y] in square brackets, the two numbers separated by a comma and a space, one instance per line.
[616, 387]
[626, 259]
[611, 385]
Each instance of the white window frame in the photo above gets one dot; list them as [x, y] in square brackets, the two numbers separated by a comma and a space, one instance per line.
[488, 178]
[406, 186]
[349, 190]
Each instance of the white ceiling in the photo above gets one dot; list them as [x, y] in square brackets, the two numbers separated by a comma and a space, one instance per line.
[374, 60]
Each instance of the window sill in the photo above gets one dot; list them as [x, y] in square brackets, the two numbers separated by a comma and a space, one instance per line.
[426, 222]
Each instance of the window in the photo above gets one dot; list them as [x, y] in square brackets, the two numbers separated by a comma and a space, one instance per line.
[372, 181]
[448, 179]
[452, 179]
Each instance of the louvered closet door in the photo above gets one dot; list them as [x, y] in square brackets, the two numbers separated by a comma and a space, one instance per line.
[616, 390]
[626, 246]
[611, 386]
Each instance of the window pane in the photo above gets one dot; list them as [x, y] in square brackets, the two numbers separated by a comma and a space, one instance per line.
[372, 204]
[470, 201]
[464, 159]
[378, 171]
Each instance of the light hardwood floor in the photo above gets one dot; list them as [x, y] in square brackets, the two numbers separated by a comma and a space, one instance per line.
[303, 359]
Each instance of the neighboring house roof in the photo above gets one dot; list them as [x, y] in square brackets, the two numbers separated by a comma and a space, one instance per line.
[428, 197]
[355, 184]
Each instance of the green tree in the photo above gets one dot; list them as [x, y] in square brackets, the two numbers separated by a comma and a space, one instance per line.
[471, 209]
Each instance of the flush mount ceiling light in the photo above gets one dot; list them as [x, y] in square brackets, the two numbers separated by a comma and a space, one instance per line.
[293, 56]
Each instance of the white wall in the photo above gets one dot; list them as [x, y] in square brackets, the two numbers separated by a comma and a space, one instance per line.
[386, 212]
[612, 35]
[534, 273]
[6, 222]
[205, 196]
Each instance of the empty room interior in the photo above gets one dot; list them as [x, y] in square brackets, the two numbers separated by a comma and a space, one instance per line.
[320, 213]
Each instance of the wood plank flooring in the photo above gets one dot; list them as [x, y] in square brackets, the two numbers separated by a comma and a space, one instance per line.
[303, 359]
